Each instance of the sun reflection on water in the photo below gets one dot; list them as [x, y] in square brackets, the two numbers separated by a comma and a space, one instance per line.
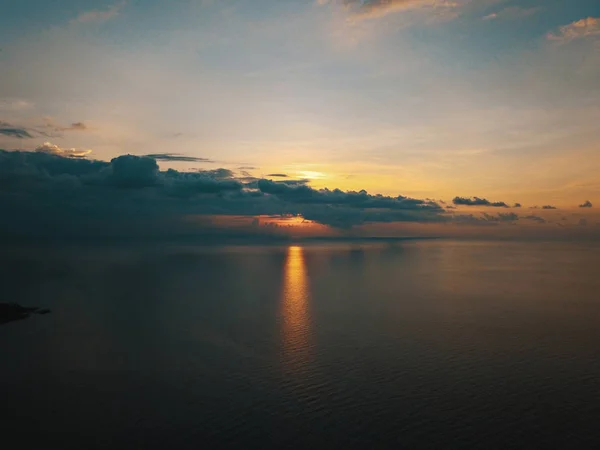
[295, 311]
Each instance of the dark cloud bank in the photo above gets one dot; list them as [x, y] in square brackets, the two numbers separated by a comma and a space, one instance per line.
[45, 194]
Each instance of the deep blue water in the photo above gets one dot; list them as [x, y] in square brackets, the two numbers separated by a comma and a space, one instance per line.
[432, 344]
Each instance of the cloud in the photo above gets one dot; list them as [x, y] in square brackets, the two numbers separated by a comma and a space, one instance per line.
[53, 127]
[493, 220]
[277, 175]
[9, 130]
[512, 13]
[517, 205]
[53, 149]
[484, 219]
[176, 157]
[54, 192]
[252, 182]
[76, 126]
[362, 199]
[537, 219]
[97, 15]
[53, 182]
[49, 129]
[371, 9]
[502, 217]
[134, 171]
[344, 209]
[586, 204]
[476, 201]
[549, 207]
[14, 105]
[576, 30]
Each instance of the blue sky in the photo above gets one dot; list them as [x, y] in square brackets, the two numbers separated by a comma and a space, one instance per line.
[425, 98]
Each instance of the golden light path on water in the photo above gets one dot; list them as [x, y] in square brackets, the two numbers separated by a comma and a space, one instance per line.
[295, 312]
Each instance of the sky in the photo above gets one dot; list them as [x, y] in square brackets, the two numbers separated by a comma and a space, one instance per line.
[473, 106]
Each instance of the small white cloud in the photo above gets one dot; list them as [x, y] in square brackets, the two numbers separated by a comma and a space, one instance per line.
[96, 15]
[54, 149]
[576, 30]
[512, 13]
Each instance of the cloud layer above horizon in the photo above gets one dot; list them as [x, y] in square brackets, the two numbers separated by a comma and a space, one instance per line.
[76, 196]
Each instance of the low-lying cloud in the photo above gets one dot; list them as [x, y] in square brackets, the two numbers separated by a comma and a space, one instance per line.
[6, 129]
[55, 190]
[537, 219]
[586, 204]
[502, 217]
[176, 157]
[69, 184]
[477, 201]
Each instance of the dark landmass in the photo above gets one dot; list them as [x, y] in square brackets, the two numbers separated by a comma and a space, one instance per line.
[10, 312]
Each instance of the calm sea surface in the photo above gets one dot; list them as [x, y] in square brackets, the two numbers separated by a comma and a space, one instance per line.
[425, 344]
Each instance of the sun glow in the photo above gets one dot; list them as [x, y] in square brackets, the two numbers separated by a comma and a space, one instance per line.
[311, 174]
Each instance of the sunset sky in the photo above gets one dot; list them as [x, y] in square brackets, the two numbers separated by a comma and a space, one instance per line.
[430, 99]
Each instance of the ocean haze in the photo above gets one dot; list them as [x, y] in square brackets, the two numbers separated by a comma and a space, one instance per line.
[415, 344]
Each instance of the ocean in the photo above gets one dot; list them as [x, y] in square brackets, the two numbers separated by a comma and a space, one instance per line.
[433, 344]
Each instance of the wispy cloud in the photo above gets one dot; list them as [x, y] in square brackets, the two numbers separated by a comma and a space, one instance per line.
[372, 9]
[512, 13]
[537, 219]
[12, 105]
[6, 129]
[75, 126]
[48, 130]
[502, 217]
[576, 30]
[176, 157]
[97, 15]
